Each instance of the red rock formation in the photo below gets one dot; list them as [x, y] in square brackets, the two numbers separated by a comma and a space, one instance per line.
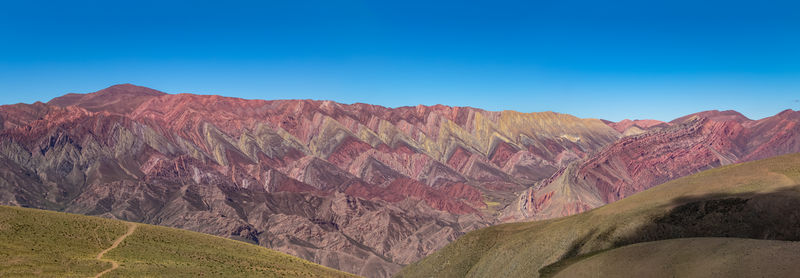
[635, 163]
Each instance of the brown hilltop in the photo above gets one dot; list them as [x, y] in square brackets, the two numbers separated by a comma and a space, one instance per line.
[714, 115]
[122, 99]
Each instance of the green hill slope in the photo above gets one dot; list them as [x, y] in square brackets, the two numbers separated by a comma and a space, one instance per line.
[750, 200]
[52, 244]
[692, 257]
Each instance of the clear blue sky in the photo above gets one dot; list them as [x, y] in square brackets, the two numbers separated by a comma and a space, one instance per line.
[601, 59]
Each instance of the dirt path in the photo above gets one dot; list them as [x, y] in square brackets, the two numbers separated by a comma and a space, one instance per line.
[114, 264]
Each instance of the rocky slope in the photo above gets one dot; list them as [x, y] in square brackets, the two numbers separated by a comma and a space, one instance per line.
[688, 145]
[360, 188]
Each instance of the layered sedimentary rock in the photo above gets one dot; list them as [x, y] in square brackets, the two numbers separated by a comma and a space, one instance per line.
[688, 145]
[359, 187]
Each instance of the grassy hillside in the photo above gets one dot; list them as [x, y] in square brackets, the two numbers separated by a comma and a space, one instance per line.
[692, 257]
[52, 244]
[750, 200]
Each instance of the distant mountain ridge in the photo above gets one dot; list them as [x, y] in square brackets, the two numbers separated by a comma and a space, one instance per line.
[632, 164]
[632, 127]
[361, 188]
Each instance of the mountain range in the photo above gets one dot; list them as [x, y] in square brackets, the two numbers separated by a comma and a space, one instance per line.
[361, 188]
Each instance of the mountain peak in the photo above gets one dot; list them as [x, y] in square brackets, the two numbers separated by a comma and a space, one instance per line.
[130, 89]
[715, 115]
[789, 113]
[120, 98]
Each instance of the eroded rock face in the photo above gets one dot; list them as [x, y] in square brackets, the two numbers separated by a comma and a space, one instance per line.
[360, 188]
[634, 163]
